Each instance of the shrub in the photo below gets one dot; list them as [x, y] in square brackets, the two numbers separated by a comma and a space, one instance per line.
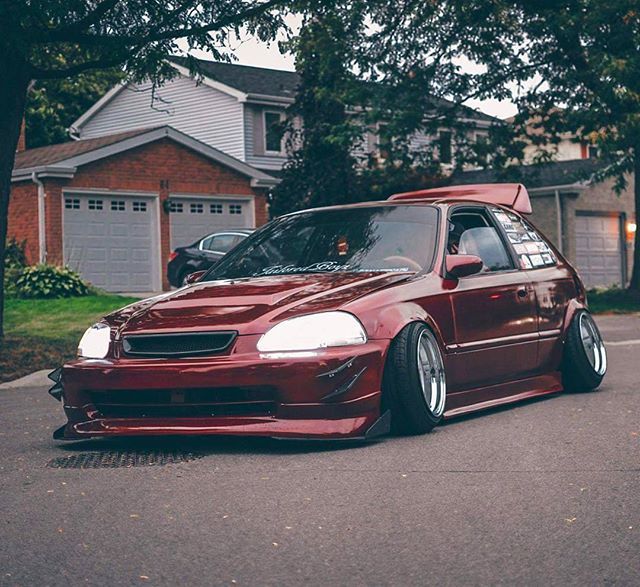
[14, 255]
[49, 281]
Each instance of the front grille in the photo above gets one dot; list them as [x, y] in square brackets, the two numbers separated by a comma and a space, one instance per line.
[185, 403]
[187, 344]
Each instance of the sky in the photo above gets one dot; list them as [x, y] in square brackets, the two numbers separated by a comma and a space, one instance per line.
[251, 51]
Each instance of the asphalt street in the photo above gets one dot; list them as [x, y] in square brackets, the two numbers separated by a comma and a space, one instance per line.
[543, 493]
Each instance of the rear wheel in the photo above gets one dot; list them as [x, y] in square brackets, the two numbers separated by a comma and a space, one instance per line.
[415, 387]
[584, 363]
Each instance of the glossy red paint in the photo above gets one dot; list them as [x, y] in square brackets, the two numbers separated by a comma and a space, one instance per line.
[501, 334]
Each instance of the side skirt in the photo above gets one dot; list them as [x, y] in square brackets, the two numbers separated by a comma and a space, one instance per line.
[505, 393]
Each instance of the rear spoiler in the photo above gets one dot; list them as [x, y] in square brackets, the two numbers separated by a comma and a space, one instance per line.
[511, 195]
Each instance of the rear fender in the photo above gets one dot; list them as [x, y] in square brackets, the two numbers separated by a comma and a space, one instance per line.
[573, 307]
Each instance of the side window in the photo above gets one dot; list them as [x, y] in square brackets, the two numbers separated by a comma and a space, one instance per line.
[222, 243]
[205, 245]
[532, 250]
[273, 132]
[470, 233]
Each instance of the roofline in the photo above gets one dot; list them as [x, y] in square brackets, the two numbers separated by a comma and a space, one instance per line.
[99, 105]
[42, 171]
[207, 81]
[68, 166]
[575, 187]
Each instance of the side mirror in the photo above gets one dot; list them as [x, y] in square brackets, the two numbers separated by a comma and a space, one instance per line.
[462, 265]
[193, 277]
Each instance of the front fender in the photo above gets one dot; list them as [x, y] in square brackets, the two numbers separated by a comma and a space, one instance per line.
[573, 306]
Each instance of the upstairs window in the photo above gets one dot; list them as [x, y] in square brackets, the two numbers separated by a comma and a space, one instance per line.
[445, 150]
[273, 132]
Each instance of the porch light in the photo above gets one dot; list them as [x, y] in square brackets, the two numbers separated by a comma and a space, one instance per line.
[631, 227]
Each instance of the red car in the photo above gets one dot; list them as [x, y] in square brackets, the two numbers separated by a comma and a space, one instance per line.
[346, 322]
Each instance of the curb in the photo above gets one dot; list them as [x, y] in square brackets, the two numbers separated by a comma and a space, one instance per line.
[36, 379]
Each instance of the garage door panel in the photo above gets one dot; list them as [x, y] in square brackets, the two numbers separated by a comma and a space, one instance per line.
[192, 218]
[598, 251]
[110, 245]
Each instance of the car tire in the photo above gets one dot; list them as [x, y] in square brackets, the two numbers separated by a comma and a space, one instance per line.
[584, 362]
[416, 404]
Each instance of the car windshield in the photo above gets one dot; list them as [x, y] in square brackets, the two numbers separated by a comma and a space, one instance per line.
[369, 239]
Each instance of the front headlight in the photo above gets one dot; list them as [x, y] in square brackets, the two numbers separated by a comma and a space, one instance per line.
[94, 343]
[314, 331]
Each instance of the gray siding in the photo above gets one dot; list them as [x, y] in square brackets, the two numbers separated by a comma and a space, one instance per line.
[200, 111]
[254, 139]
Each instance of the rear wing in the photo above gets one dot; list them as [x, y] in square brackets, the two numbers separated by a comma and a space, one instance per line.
[511, 195]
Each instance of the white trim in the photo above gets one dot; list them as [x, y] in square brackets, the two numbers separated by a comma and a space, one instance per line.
[99, 105]
[268, 100]
[157, 270]
[51, 170]
[249, 198]
[207, 81]
[549, 190]
[108, 192]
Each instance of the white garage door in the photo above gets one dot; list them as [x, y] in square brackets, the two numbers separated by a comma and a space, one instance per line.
[598, 252]
[112, 241]
[192, 218]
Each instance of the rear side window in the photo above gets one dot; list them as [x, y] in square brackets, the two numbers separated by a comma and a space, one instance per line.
[532, 250]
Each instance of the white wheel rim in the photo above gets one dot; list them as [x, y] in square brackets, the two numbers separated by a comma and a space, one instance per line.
[431, 372]
[592, 344]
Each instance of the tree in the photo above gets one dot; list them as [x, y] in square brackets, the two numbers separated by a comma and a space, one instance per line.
[135, 35]
[321, 133]
[53, 105]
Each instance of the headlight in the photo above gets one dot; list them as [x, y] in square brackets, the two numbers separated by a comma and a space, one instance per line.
[314, 331]
[94, 343]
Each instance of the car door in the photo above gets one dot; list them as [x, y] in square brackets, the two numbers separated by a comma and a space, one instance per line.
[494, 311]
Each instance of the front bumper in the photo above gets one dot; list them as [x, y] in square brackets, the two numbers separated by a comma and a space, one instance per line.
[329, 394]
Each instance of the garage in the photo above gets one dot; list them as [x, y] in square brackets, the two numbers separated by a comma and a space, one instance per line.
[111, 240]
[599, 256]
[191, 218]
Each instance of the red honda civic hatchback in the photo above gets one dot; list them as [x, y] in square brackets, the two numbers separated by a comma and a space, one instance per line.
[346, 322]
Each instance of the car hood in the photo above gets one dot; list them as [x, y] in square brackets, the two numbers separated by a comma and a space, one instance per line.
[249, 306]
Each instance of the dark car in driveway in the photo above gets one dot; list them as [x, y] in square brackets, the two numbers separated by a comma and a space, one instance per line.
[202, 254]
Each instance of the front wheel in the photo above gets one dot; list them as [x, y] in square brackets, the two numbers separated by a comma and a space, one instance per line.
[584, 363]
[415, 386]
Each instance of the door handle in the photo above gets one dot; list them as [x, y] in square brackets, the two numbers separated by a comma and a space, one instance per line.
[522, 292]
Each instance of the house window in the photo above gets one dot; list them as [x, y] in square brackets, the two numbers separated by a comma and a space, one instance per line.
[215, 208]
[235, 208]
[117, 205]
[72, 203]
[176, 207]
[273, 132]
[444, 146]
[196, 208]
[95, 204]
[592, 151]
[139, 206]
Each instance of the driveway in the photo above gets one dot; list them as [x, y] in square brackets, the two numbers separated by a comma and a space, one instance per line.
[546, 492]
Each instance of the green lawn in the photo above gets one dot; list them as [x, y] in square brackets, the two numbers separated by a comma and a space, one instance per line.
[40, 334]
[613, 301]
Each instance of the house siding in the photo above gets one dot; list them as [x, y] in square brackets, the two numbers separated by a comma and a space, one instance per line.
[179, 103]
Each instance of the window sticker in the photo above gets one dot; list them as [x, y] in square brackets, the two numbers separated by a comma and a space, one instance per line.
[531, 248]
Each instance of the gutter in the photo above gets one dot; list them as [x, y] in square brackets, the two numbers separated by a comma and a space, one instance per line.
[42, 231]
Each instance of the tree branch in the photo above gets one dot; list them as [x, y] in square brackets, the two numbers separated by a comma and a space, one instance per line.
[88, 40]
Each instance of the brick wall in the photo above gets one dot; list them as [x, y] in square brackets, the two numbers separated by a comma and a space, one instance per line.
[162, 167]
[23, 217]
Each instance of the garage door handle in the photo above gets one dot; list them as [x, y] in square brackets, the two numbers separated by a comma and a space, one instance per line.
[522, 292]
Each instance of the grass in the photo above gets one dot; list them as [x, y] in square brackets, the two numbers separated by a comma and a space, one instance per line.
[613, 301]
[42, 334]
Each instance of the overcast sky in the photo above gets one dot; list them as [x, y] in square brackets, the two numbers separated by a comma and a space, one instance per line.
[250, 51]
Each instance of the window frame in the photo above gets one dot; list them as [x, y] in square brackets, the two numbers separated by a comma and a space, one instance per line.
[265, 129]
[485, 212]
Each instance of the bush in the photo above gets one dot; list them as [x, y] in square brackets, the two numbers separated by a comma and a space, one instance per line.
[49, 281]
[14, 262]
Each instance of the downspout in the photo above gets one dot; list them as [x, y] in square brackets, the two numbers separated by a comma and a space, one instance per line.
[559, 221]
[42, 232]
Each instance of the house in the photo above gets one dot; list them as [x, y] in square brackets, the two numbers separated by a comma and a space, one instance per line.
[113, 207]
[236, 109]
[591, 225]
